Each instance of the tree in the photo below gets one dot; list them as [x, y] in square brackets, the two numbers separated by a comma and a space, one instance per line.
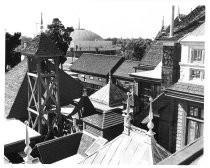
[60, 36]
[12, 57]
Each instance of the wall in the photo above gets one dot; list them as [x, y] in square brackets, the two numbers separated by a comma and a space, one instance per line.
[181, 125]
[185, 64]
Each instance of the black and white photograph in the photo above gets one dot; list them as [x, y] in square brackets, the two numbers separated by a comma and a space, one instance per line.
[104, 82]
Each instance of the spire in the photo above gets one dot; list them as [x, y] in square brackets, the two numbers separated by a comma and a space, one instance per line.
[79, 24]
[41, 27]
[150, 124]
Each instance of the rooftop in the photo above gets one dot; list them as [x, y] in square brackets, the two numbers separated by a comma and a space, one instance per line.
[109, 95]
[153, 57]
[198, 35]
[125, 68]
[186, 91]
[98, 64]
[85, 35]
[135, 149]
[185, 25]
[43, 46]
[152, 74]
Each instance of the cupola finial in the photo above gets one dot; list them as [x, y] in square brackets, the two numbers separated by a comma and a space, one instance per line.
[27, 149]
[150, 124]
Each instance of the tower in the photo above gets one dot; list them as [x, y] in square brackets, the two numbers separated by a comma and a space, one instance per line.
[43, 82]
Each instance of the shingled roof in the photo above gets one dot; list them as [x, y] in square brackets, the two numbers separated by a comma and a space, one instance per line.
[104, 121]
[186, 91]
[125, 68]
[186, 25]
[43, 46]
[136, 149]
[16, 91]
[98, 64]
[153, 57]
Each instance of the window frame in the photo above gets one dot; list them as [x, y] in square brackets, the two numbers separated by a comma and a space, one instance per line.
[191, 55]
[199, 119]
[202, 74]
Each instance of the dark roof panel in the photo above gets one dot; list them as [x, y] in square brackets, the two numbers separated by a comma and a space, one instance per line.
[153, 57]
[188, 88]
[96, 63]
[125, 68]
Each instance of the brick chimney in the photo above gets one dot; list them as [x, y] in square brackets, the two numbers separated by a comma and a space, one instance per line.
[171, 58]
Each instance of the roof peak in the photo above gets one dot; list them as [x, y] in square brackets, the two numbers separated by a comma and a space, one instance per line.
[109, 95]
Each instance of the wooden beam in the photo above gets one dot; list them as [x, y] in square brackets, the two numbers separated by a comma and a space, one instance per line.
[33, 111]
[32, 74]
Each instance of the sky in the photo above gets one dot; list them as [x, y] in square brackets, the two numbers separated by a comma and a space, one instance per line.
[107, 18]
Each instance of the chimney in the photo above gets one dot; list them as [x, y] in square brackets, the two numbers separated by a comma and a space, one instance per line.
[172, 23]
[79, 24]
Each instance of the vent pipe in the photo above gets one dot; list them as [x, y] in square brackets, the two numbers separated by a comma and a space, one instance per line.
[172, 23]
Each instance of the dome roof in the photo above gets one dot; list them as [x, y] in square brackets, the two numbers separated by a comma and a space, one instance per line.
[85, 35]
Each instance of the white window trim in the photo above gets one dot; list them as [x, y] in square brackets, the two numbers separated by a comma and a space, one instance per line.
[190, 55]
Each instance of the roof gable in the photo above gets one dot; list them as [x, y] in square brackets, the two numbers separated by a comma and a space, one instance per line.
[96, 64]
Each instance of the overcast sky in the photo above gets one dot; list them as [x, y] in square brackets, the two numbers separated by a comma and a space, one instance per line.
[107, 18]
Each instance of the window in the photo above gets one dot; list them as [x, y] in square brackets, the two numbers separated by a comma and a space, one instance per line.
[194, 123]
[91, 77]
[197, 56]
[197, 74]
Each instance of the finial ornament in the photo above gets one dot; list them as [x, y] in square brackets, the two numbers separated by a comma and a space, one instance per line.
[84, 92]
[27, 149]
[150, 124]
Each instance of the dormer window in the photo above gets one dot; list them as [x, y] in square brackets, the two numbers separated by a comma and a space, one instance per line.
[197, 56]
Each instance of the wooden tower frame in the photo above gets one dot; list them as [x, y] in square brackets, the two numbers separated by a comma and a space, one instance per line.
[43, 91]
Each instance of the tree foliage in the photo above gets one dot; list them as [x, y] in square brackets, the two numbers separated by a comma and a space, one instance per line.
[133, 49]
[12, 57]
[60, 35]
